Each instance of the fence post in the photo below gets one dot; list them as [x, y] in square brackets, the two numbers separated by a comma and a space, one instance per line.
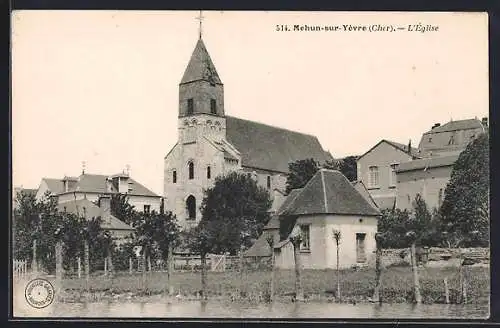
[105, 266]
[416, 283]
[242, 268]
[130, 265]
[34, 264]
[378, 269]
[464, 286]
[59, 266]
[79, 267]
[446, 291]
[86, 259]
[170, 269]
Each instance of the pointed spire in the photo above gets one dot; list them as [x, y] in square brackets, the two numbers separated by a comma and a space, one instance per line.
[200, 66]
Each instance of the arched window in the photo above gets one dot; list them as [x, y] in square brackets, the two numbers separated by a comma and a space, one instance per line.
[209, 173]
[191, 170]
[191, 207]
[268, 182]
[174, 176]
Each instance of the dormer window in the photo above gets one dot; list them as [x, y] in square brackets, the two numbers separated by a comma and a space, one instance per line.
[190, 106]
[213, 106]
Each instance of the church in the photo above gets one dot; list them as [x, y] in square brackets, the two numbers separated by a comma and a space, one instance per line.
[211, 143]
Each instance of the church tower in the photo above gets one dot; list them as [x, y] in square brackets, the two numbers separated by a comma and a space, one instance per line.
[200, 153]
[201, 98]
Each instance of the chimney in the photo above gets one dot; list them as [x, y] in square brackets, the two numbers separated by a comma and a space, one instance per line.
[436, 125]
[409, 147]
[105, 206]
[485, 122]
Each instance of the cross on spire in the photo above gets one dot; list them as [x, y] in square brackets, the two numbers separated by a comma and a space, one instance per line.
[200, 19]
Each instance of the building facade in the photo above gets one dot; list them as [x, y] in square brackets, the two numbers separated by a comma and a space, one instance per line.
[327, 202]
[377, 170]
[440, 148]
[91, 186]
[211, 143]
[451, 138]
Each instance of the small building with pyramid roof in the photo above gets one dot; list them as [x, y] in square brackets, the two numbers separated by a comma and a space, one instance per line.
[326, 203]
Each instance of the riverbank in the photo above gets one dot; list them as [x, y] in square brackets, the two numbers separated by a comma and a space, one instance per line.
[319, 285]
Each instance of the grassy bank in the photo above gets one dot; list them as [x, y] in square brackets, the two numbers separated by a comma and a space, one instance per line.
[356, 286]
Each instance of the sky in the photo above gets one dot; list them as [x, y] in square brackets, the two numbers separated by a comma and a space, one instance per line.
[102, 86]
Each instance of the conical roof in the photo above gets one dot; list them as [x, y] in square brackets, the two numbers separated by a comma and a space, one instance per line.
[200, 66]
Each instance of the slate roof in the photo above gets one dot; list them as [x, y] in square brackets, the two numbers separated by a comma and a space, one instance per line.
[404, 148]
[274, 223]
[270, 148]
[329, 192]
[259, 249]
[200, 66]
[92, 210]
[388, 202]
[96, 183]
[457, 125]
[361, 188]
[431, 162]
[55, 185]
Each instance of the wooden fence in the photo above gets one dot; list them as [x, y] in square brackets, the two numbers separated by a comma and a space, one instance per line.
[20, 269]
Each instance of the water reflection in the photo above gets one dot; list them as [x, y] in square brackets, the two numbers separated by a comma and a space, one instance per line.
[209, 309]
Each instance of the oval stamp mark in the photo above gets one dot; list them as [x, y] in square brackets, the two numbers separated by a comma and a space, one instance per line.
[39, 293]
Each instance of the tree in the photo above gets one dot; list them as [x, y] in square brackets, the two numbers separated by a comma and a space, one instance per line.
[300, 172]
[349, 168]
[465, 208]
[40, 221]
[121, 208]
[234, 212]
[393, 226]
[337, 236]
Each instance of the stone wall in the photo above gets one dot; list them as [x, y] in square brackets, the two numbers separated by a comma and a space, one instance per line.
[451, 256]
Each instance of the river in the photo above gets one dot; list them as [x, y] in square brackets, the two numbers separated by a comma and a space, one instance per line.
[211, 309]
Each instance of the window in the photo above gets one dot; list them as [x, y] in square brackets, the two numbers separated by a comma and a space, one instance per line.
[268, 182]
[190, 106]
[440, 197]
[174, 176]
[452, 140]
[191, 207]
[191, 170]
[305, 244]
[209, 174]
[360, 248]
[373, 177]
[213, 106]
[430, 139]
[392, 175]
[147, 208]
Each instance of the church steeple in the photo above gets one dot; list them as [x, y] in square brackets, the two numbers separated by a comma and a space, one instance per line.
[200, 66]
[201, 90]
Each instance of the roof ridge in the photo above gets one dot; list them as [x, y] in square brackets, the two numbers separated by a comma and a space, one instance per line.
[324, 190]
[273, 126]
